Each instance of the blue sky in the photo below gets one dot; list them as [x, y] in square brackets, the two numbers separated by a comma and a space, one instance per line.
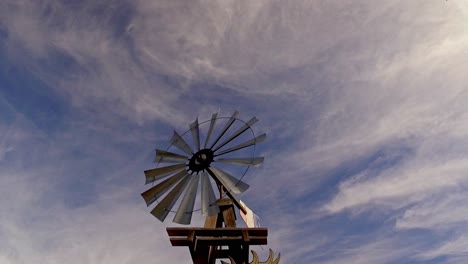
[365, 104]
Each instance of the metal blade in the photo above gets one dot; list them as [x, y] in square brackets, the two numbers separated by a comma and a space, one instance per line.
[166, 156]
[157, 191]
[238, 132]
[208, 198]
[242, 161]
[230, 182]
[180, 143]
[210, 130]
[195, 133]
[165, 206]
[226, 127]
[243, 145]
[184, 213]
[159, 173]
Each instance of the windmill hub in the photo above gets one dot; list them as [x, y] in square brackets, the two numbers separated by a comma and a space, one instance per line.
[201, 160]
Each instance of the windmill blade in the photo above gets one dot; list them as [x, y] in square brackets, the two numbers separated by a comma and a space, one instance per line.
[180, 143]
[242, 161]
[208, 199]
[243, 145]
[165, 206]
[195, 133]
[237, 133]
[210, 130]
[184, 213]
[230, 182]
[157, 191]
[166, 156]
[226, 127]
[159, 173]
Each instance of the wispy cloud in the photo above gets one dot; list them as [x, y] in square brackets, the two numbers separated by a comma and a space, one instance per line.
[456, 249]
[364, 104]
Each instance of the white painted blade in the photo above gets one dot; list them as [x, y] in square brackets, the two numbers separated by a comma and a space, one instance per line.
[243, 145]
[184, 213]
[195, 133]
[237, 133]
[157, 191]
[180, 143]
[242, 161]
[230, 182]
[210, 130]
[159, 173]
[208, 198]
[165, 206]
[166, 156]
[226, 127]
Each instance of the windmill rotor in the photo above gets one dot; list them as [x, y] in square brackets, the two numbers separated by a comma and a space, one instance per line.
[193, 163]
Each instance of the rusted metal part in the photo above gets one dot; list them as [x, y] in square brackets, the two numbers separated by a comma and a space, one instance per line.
[255, 260]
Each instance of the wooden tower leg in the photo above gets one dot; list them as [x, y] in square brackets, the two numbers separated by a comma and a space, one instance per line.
[226, 215]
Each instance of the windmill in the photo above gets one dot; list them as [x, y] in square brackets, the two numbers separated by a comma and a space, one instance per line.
[194, 167]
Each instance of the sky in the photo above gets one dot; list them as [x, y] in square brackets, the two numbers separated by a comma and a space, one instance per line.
[365, 104]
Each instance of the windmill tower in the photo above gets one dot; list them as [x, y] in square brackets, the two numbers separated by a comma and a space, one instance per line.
[196, 164]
